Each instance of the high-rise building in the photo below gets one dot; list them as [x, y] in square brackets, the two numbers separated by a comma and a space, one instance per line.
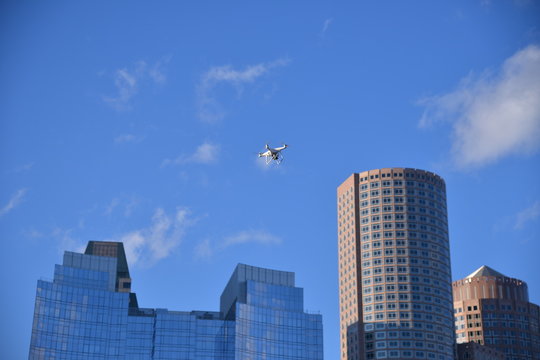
[394, 266]
[494, 310]
[88, 312]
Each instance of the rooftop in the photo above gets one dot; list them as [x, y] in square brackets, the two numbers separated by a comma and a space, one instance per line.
[485, 270]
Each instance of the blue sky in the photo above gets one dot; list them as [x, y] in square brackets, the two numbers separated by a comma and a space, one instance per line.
[140, 122]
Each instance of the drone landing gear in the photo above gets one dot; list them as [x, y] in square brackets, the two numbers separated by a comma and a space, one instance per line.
[278, 158]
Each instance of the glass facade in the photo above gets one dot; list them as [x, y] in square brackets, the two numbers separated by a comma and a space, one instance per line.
[272, 325]
[84, 314]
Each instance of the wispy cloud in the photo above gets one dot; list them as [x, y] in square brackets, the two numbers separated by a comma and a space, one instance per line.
[124, 204]
[157, 71]
[112, 205]
[33, 234]
[128, 81]
[532, 213]
[13, 202]
[66, 241]
[126, 85]
[205, 249]
[127, 138]
[209, 109]
[326, 25]
[22, 168]
[130, 206]
[493, 115]
[251, 236]
[206, 153]
[148, 245]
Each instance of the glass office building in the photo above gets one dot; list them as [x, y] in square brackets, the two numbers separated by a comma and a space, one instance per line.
[89, 312]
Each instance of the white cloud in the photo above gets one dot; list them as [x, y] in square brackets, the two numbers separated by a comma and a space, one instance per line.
[205, 249]
[112, 205]
[33, 234]
[126, 85]
[129, 204]
[209, 109]
[156, 72]
[326, 25]
[532, 213]
[22, 168]
[251, 236]
[493, 115]
[13, 202]
[66, 241]
[127, 138]
[206, 153]
[127, 82]
[157, 241]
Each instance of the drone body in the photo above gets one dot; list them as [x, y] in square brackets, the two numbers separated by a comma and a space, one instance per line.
[273, 154]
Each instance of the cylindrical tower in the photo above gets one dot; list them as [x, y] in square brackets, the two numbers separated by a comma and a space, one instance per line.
[394, 266]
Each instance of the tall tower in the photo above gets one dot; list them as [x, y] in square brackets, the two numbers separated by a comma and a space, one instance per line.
[494, 310]
[394, 266]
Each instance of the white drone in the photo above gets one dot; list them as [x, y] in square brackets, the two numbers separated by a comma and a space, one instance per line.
[273, 154]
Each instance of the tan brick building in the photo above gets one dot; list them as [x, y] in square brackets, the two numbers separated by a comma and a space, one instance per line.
[394, 266]
[494, 310]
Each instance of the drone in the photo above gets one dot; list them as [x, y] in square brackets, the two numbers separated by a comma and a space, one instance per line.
[273, 154]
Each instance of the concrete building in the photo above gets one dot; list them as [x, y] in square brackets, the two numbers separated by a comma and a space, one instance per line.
[494, 310]
[88, 312]
[394, 266]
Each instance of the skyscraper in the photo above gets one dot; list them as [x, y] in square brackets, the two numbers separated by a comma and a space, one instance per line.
[494, 310]
[88, 312]
[394, 266]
